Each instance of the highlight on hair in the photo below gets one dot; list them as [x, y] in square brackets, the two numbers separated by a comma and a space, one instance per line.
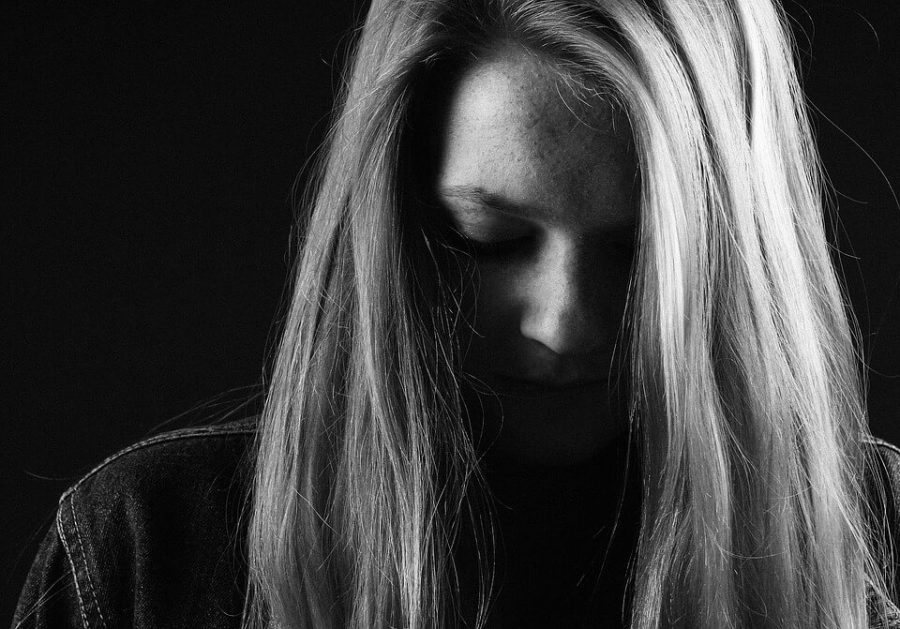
[746, 388]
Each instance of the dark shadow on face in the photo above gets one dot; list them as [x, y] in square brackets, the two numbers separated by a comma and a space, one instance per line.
[529, 198]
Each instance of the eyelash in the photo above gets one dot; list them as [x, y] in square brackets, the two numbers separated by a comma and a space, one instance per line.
[484, 248]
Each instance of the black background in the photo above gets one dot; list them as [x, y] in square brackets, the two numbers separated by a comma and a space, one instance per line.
[148, 161]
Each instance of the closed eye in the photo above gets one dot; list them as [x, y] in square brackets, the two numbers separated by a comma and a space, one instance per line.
[487, 238]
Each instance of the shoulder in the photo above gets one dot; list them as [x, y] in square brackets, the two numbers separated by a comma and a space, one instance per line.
[888, 455]
[171, 461]
[883, 486]
[165, 481]
[883, 481]
[162, 518]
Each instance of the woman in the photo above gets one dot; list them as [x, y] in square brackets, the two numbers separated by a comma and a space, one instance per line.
[565, 347]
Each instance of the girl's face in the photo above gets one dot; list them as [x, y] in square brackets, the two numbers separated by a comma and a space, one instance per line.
[544, 190]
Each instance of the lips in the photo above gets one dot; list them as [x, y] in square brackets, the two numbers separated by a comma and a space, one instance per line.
[543, 386]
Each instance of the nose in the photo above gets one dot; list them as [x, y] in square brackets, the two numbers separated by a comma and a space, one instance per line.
[563, 308]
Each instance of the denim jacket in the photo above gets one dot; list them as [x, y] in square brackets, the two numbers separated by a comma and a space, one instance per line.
[153, 537]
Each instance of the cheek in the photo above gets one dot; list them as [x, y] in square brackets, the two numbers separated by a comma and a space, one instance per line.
[492, 312]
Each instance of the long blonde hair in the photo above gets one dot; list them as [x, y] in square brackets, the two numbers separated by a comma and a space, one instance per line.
[746, 389]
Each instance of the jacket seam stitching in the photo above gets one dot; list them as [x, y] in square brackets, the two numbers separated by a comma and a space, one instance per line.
[65, 542]
[884, 444]
[165, 438]
[87, 570]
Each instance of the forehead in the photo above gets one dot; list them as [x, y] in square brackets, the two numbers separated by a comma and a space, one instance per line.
[515, 130]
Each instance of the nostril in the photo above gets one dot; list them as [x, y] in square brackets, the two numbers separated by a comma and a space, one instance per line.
[569, 296]
[564, 327]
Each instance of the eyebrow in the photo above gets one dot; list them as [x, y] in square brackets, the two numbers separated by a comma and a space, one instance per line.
[480, 196]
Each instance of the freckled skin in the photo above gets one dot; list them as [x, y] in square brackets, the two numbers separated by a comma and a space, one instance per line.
[551, 310]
